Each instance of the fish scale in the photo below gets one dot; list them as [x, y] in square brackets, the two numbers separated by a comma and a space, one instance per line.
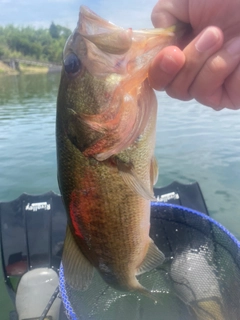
[105, 133]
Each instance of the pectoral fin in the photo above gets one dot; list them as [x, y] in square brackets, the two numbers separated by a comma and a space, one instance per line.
[80, 133]
[153, 259]
[130, 177]
[78, 271]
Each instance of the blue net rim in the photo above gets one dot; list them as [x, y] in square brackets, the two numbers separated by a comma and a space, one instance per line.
[67, 304]
[199, 214]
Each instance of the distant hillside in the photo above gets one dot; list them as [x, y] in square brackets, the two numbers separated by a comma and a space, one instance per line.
[30, 43]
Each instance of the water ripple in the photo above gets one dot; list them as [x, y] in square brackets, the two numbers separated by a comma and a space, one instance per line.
[194, 143]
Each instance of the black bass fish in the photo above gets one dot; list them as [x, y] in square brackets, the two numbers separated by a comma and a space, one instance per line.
[105, 129]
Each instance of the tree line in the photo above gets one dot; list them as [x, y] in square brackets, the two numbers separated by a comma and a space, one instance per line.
[33, 44]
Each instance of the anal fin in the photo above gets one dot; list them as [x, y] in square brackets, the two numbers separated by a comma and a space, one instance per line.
[78, 271]
[153, 259]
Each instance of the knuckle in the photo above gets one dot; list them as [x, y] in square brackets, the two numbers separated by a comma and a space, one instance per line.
[177, 93]
[216, 65]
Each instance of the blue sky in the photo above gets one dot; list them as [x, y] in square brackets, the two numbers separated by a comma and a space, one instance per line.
[40, 13]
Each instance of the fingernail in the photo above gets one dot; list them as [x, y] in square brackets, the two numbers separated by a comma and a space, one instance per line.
[168, 64]
[234, 46]
[207, 40]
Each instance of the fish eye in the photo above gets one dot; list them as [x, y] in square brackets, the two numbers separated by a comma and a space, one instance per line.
[72, 64]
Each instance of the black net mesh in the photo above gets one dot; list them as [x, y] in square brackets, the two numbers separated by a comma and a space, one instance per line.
[200, 278]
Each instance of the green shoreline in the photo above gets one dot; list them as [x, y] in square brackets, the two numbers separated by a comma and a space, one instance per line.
[26, 69]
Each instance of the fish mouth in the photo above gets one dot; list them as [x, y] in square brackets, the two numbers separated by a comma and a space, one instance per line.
[113, 39]
[113, 48]
[90, 23]
[104, 34]
[119, 58]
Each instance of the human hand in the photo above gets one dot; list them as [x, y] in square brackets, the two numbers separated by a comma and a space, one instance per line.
[206, 64]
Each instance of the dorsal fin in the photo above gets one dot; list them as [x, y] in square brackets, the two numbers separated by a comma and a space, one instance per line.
[154, 171]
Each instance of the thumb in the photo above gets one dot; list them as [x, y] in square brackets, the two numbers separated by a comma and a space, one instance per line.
[167, 13]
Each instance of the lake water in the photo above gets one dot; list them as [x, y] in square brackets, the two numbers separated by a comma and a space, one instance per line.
[194, 143]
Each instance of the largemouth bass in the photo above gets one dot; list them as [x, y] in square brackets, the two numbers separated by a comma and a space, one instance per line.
[105, 129]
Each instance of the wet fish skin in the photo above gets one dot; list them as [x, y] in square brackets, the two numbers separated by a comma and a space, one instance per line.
[105, 132]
